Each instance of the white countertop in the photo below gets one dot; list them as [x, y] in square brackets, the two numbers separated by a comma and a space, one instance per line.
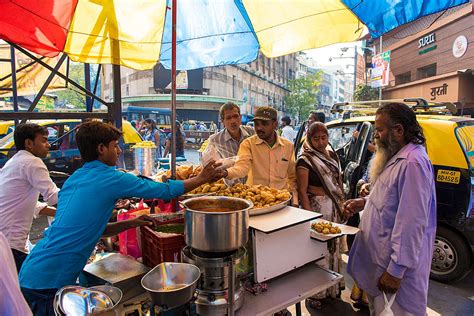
[286, 217]
[289, 289]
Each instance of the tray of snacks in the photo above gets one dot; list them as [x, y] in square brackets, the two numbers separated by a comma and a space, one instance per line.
[205, 189]
[323, 230]
[264, 199]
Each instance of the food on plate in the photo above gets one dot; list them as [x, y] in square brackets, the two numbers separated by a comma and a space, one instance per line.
[209, 187]
[260, 195]
[185, 172]
[326, 228]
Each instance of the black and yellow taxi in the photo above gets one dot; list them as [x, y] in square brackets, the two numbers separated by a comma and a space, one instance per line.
[64, 157]
[450, 146]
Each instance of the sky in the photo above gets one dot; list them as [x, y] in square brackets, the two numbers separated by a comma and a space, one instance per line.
[322, 55]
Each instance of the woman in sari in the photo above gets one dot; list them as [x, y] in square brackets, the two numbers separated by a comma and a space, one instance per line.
[320, 190]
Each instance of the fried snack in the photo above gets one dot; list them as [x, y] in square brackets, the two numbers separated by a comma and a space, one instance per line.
[326, 228]
[260, 195]
[185, 172]
[209, 187]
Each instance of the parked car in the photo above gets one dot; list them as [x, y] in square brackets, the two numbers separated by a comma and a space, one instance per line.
[6, 127]
[64, 156]
[450, 147]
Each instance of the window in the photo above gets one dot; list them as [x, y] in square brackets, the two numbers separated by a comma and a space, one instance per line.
[341, 135]
[425, 72]
[403, 78]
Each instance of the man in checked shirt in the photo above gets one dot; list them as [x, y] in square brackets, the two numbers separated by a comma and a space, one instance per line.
[228, 140]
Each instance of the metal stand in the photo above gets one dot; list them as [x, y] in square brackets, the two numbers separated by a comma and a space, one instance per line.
[231, 277]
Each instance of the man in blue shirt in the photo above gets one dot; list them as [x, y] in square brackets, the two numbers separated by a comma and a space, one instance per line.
[84, 208]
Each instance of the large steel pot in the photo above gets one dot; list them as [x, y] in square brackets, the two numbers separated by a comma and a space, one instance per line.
[216, 224]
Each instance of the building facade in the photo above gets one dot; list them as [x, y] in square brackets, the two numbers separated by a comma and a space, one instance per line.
[433, 58]
[201, 92]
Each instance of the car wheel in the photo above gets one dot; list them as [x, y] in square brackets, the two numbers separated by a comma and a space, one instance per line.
[451, 256]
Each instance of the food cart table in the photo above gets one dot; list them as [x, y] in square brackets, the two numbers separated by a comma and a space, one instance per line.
[289, 289]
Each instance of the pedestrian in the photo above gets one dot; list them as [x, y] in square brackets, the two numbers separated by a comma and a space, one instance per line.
[319, 177]
[180, 141]
[23, 178]
[315, 116]
[287, 130]
[392, 253]
[85, 206]
[151, 133]
[266, 158]
[212, 127]
[12, 301]
[227, 141]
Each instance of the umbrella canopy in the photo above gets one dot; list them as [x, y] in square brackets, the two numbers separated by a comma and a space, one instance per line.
[137, 34]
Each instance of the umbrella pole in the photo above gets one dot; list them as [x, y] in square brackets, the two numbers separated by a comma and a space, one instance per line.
[173, 92]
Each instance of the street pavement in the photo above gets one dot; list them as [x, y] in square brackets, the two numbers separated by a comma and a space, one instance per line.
[453, 299]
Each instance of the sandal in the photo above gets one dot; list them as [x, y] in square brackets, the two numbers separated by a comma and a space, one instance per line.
[314, 303]
[365, 299]
[356, 293]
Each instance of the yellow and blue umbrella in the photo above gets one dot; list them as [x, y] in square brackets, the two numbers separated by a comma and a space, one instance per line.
[137, 33]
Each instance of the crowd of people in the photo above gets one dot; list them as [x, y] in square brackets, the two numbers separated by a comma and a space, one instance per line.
[391, 255]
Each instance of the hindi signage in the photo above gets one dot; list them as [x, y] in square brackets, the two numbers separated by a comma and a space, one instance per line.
[439, 90]
[380, 73]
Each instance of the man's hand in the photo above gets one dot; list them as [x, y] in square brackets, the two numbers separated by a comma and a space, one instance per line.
[364, 190]
[145, 220]
[210, 173]
[350, 207]
[388, 283]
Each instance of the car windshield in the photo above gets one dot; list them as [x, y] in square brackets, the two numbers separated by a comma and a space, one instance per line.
[466, 138]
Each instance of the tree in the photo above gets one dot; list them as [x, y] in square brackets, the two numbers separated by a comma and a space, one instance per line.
[365, 93]
[302, 97]
[70, 95]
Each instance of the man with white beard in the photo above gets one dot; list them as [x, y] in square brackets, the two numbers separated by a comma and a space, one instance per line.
[392, 252]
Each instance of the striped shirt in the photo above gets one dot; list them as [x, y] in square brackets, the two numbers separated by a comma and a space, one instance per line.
[228, 147]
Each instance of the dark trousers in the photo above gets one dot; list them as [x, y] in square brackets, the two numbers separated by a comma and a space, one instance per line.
[40, 301]
[19, 258]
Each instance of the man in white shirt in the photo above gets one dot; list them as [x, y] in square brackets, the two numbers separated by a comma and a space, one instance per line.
[287, 131]
[23, 178]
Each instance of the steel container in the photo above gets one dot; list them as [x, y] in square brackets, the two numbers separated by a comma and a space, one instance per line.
[144, 159]
[171, 284]
[209, 230]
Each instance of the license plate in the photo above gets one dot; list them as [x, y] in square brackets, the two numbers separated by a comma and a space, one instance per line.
[448, 176]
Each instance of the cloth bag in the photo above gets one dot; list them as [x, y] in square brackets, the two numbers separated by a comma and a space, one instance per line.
[387, 311]
[129, 240]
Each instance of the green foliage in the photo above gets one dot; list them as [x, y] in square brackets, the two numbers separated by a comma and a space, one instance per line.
[70, 95]
[302, 98]
[366, 93]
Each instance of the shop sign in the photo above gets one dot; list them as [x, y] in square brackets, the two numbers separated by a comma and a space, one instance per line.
[428, 49]
[460, 46]
[380, 74]
[439, 90]
[427, 40]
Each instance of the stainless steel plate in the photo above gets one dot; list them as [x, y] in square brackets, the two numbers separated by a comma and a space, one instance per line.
[268, 209]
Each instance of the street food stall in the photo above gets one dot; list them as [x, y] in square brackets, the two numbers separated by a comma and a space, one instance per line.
[240, 238]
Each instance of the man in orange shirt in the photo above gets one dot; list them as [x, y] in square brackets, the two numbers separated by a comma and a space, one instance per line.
[266, 158]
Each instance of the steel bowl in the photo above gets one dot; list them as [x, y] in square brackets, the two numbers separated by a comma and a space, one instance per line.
[210, 230]
[171, 284]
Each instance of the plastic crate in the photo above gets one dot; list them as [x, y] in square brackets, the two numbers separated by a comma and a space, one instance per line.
[157, 249]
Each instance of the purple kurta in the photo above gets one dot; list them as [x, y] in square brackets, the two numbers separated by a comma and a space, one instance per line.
[398, 229]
